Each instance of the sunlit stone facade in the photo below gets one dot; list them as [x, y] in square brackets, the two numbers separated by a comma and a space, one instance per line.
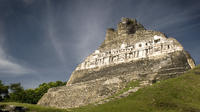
[156, 46]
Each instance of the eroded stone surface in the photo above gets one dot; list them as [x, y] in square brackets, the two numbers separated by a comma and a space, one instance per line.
[129, 53]
[150, 48]
[80, 94]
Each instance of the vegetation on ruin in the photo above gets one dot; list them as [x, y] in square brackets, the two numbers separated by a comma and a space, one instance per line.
[130, 85]
[181, 94]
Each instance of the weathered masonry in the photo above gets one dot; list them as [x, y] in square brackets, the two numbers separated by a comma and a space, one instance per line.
[156, 46]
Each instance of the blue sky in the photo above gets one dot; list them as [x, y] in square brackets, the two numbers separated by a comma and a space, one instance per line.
[44, 40]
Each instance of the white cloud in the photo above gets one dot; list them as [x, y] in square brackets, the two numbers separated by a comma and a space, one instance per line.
[11, 67]
[52, 34]
[28, 2]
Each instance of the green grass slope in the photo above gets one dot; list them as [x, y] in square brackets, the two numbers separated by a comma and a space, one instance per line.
[34, 108]
[181, 94]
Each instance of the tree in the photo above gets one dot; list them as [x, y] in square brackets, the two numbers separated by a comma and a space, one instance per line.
[3, 91]
[30, 96]
[16, 87]
[17, 92]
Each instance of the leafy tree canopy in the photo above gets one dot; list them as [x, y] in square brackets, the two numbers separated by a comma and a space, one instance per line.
[19, 94]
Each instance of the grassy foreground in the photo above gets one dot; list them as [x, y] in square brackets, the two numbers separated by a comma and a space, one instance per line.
[35, 108]
[181, 94]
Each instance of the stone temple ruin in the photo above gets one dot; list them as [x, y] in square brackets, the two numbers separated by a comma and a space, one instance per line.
[156, 46]
[127, 54]
[129, 47]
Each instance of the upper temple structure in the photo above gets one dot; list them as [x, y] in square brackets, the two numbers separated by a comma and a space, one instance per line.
[155, 46]
[128, 53]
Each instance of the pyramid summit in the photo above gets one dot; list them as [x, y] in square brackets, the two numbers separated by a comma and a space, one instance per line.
[130, 42]
[129, 53]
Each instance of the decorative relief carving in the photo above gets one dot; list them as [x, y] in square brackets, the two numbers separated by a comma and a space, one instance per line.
[156, 46]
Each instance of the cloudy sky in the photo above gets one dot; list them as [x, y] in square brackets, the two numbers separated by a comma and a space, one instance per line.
[44, 40]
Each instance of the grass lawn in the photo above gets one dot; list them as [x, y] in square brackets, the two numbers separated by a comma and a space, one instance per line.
[36, 108]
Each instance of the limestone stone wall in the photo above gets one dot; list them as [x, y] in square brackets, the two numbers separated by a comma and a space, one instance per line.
[128, 26]
[110, 35]
[173, 63]
[152, 47]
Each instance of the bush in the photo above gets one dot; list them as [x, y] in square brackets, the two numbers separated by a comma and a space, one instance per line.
[32, 96]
